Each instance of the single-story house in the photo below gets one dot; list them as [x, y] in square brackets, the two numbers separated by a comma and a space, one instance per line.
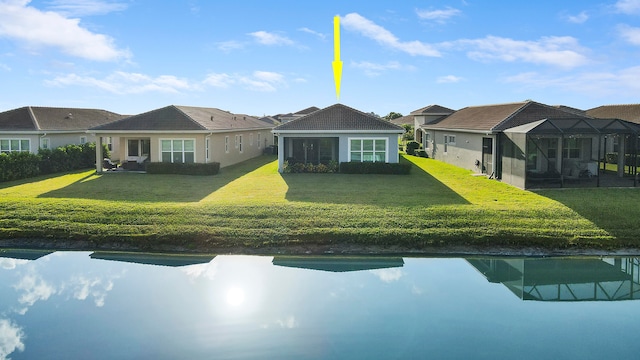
[31, 128]
[284, 118]
[337, 133]
[427, 115]
[187, 134]
[494, 140]
[629, 112]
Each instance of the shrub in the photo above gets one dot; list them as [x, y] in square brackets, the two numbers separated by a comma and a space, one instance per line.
[412, 146]
[375, 168]
[18, 165]
[183, 169]
[421, 153]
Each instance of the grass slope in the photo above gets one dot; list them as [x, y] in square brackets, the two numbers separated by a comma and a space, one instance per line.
[252, 205]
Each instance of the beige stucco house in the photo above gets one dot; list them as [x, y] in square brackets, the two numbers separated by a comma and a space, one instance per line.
[186, 134]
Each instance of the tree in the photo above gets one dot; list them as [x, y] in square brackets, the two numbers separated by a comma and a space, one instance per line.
[392, 115]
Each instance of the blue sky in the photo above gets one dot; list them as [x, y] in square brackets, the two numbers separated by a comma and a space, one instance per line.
[269, 57]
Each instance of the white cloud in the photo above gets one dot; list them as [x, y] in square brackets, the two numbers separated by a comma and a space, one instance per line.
[288, 323]
[11, 337]
[630, 34]
[373, 69]
[85, 7]
[34, 289]
[309, 31]
[37, 29]
[267, 38]
[263, 81]
[96, 288]
[449, 79]
[228, 46]
[628, 6]
[387, 275]
[127, 83]
[8, 263]
[368, 28]
[578, 19]
[440, 16]
[560, 51]
[595, 84]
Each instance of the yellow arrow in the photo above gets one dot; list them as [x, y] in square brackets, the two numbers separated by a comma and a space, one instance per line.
[337, 64]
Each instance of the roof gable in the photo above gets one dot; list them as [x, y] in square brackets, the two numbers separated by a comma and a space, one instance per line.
[17, 120]
[339, 117]
[185, 118]
[433, 110]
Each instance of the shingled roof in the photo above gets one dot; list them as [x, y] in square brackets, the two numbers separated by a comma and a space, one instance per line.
[35, 118]
[433, 110]
[629, 112]
[499, 117]
[339, 117]
[185, 118]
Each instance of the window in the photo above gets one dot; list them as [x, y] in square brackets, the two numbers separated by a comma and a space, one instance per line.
[44, 143]
[373, 150]
[427, 137]
[226, 144]
[449, 140]
[83, 140]
[236, 142]
[258, 140]
[178, 150]
[240, 143]
[572, 148]
[109, 142]
[251, 139]
[14, 145]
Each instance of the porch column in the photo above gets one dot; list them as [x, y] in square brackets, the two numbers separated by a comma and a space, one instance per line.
[622, 146]
[99, 155]
[280, 153]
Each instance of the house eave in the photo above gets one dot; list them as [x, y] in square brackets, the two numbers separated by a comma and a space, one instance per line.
[338, 132]
[486, 132]
[175, 131]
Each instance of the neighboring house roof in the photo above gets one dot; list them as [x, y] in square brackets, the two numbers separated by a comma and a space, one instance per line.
[339, 117]
[433, 110]
[571, 110]
[270, 120]
[629, 112]
[307, 111]
[34, 118]
[498, 117]
[185, 118]
[407, 119]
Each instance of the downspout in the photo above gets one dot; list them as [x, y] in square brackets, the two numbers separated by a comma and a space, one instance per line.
[599, 156]
[42, 137]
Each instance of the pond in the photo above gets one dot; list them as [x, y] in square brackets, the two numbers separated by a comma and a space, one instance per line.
[83, 305]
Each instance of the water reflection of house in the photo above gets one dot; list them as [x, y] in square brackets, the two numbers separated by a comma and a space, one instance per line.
[23, 254]
[562, 279]
[153, 259]
[337, 264]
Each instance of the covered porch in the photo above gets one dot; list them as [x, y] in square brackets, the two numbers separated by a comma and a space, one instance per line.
[578, 153]
[311, 150]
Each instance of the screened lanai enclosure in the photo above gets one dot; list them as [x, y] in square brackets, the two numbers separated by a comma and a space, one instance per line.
[572, 153]
[307, 150]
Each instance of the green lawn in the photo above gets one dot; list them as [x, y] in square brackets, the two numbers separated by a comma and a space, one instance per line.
[252, 205]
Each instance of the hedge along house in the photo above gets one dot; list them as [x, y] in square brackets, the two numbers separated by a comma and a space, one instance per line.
[337, 133]
[186, 134]
[475, 138]
[31, 128]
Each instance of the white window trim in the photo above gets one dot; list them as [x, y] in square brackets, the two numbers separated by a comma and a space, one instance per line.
[83, 140]
[386, 146]
[236, 142]
[19, 142]
[258, 141]
[240, 146]
[226, 144]
[43, 140]
[206, 148]
[195, 153]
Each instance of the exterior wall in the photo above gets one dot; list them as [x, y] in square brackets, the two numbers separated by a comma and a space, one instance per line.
[217, 153]
[55, 139]
[465, 153]
[343, 144]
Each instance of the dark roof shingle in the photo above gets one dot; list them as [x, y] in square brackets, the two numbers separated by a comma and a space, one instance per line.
[339, 117]
[55, 119]
[185, 118]
[629, 112]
